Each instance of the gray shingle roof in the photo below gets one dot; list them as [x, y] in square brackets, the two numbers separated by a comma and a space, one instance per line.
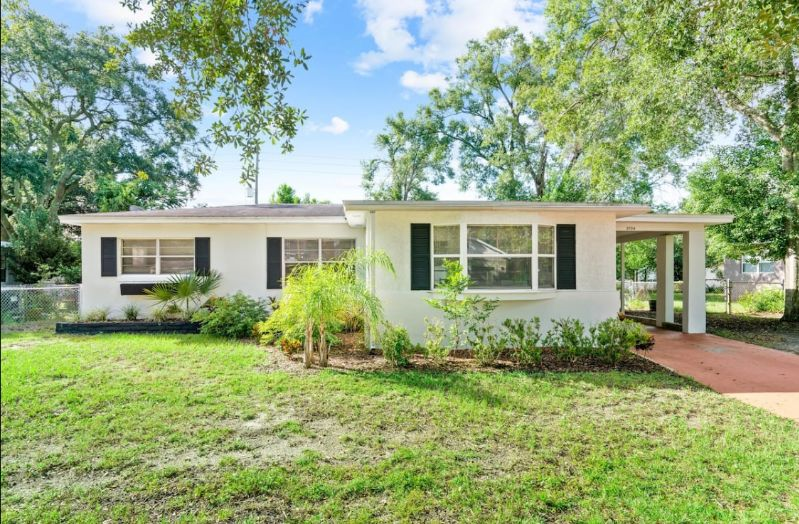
[245, 211]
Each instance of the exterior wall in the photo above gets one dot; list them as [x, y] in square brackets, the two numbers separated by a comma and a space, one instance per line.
[238, 252]
[594, 300]
[747, 282]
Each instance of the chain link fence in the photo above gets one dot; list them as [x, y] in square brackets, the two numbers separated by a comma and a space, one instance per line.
[39, 303]
[722, 295]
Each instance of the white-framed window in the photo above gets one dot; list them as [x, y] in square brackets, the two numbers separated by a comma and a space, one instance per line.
[546, 257]
[497, 256]
[299, 251]
[756, 265]
[446, 246]
[140, 256]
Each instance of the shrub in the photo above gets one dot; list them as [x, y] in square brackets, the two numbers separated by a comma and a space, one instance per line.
[460, 310]
[131, 312]
[524, 338]
[568, 339]
[434, 345]
[185, 292]
[763, 301]
[612, 339]
[98, 315]
[643, 338]
[166, 313]
[396, 345]
[232, 317]
[290, 345]
[486, 344]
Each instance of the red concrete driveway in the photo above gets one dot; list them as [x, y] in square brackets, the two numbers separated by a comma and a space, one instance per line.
[760, 376]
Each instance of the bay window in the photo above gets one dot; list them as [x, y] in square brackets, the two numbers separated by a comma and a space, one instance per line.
[157, 256]
[501, 257]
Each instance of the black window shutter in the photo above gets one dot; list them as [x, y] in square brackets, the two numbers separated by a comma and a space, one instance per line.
[274, 263]
[108, 256]
[566, 256]
[202, 255]
[420, 256]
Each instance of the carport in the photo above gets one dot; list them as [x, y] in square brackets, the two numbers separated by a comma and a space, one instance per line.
[664, 227]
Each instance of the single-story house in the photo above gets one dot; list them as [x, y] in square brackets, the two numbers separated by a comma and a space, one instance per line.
[748, 274]
[550, 260]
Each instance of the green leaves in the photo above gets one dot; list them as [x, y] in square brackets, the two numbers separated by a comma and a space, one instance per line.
[235, 55]
[185, 292]
[81, 120]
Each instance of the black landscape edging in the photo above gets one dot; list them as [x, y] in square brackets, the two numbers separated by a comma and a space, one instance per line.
[92, 328]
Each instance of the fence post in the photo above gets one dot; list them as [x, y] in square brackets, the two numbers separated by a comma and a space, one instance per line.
[728, 295]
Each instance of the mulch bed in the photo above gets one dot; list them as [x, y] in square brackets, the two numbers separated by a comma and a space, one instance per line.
[351, 356]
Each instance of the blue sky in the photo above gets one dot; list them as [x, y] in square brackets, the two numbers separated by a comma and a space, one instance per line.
[370, 59]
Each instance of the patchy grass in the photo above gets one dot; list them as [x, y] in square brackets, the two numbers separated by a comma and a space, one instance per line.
[192, 428]
[714, 303]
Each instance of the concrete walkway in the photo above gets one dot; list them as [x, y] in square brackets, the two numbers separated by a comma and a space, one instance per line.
[763, 377]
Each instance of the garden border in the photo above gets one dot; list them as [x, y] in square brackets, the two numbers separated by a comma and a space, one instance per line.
[94, 328]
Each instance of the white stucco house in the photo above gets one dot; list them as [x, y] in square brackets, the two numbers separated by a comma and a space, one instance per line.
[550, 260]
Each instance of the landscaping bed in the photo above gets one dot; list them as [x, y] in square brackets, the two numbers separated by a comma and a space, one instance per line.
[127, 326]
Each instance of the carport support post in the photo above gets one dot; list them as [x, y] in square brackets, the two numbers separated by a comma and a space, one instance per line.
[621, 278]
[693, 278]
[665, 280]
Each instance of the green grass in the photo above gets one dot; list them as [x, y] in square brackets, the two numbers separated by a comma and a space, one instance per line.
[714, 303]
[190, 428]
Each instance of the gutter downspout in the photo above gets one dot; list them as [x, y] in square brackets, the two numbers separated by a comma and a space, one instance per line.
[371, 270]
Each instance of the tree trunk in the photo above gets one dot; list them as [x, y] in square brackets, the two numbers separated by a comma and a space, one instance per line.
[307, 358]
[791, 313]
[323, 351]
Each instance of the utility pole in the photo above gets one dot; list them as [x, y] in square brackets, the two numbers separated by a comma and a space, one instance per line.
[257, 172]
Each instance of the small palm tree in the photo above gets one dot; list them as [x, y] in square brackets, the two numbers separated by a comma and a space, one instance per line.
[316, 296]
[187, 291]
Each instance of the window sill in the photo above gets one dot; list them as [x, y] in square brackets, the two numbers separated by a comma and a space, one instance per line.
[509, 294]
[148, 277]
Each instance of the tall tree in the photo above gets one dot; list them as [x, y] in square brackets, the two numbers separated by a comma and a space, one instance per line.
[501, 147]
[692, 68]
[414, 157]
[236, 55]
[83, 126]
[285, 194]
[749, 181]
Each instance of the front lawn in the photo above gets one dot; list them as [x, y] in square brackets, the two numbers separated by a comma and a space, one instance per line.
[141, 428]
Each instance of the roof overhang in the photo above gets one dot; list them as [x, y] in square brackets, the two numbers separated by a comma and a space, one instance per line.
[357, 208]
[79, 220]
[642, 227]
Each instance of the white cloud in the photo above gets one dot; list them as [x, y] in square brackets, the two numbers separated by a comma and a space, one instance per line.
[111, 12]
[422, 83]
[336, 126]
[313, 8]
[443, 28]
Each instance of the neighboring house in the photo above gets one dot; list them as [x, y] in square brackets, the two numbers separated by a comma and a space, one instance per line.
[748, 274]
[550, 260]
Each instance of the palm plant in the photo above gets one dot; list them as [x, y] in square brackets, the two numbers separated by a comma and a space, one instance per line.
[316, 297]
[187, 292]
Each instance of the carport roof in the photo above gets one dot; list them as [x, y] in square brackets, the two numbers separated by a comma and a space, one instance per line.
[641, 227]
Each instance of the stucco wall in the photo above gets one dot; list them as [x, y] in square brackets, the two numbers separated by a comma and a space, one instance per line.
[238, 251]
[595, 298]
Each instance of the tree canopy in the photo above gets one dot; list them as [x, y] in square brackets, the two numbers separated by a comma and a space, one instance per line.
[236, 56]
[285, 194]
[415, 156]
[84, 129]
